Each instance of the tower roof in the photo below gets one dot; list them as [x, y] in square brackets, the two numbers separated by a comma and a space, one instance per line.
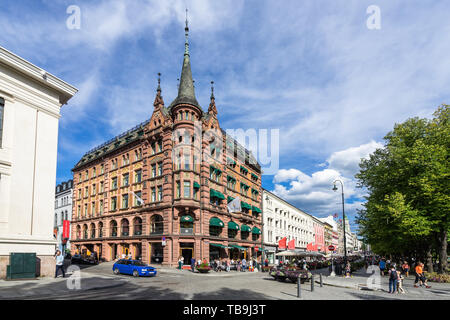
[186, 92]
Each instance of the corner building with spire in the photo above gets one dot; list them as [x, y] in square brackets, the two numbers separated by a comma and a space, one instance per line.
[160, 190]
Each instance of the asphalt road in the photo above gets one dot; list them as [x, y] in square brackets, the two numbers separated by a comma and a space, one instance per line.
[98, 282]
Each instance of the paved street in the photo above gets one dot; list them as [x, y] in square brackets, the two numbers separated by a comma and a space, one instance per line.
[98, 282]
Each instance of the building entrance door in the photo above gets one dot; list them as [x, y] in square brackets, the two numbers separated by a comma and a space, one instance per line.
[113, 251]
[187, 254]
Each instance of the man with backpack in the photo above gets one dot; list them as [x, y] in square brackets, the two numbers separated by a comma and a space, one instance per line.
[393, 278]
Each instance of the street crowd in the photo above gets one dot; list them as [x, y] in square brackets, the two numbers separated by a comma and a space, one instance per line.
[398, 272]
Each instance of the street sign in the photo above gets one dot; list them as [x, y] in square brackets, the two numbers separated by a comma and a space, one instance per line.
[163, 242]
[331, 248]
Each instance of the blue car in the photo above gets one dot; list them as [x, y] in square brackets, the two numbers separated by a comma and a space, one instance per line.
[135, 267]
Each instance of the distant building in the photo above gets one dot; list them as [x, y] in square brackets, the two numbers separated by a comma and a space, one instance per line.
[331, 229]
[63, 211]
[283, 220]
[30, 103]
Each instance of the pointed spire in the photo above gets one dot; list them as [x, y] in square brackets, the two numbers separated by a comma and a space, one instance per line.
[212, 89]
[159, 82]
[186, 92]
[212, 106]
[186, 34]
[158, 99]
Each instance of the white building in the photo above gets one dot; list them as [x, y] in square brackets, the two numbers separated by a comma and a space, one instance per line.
[281, 219]
[63, 211]
[30, 101]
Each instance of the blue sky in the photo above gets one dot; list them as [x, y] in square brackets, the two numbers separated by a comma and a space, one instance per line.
[312, 69]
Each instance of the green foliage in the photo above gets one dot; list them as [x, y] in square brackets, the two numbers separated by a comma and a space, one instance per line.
[408, 185]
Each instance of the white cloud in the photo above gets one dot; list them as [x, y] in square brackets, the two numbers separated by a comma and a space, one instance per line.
[347, 161]
[313, 193]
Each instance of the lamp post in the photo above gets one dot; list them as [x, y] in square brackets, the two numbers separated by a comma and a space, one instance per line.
[343, 218]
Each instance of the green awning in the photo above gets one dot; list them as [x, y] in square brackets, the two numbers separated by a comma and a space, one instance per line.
[255, 191]
[231, 161]
[233, 225]
[245, 205]
[196, 185]
[187, 219]
[254, 176]
[256, 230]
[243, 185]
[237, 247]
[244, 169]
[245, 228]
[216, 222]
[216, 194]
[230, 178]
[218, 245]
[229, 199]
[256, 209]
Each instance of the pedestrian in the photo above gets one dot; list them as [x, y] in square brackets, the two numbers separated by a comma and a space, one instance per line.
[227, 265]
[182, 261]
[266, 262]
[179, 263]
[405, 268]
[393, 278]
[238, 267]
[59, 263]
[400, 279]
[382, 266]
[193, 264]
[348, 270]
[244, 265]
[420, 276]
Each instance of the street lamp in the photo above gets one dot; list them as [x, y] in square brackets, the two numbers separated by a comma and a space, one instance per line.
[343, 218]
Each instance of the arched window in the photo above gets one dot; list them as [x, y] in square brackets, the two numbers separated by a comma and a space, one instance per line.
[125, 225]
[137, 226]
[100, 229]
[92, 230]
[78, 232]
[113, 228]
[85, 231]
[156, 224]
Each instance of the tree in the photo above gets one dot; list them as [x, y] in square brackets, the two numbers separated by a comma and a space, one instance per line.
[408, 188]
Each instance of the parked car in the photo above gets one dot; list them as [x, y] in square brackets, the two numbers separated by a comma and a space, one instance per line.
[82, 259]
[134, 267]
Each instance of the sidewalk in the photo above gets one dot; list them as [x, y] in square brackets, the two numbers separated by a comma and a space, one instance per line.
[21, 289]
[360, 281]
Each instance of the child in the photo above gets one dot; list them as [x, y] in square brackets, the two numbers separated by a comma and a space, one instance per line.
[400, 279]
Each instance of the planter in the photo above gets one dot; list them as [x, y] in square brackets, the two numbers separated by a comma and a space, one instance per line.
[203, 270]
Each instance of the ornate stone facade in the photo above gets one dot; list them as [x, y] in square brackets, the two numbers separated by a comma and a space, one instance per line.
[160, 190]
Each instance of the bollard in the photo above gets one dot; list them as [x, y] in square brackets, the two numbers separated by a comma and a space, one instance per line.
[299, 288]
[312, 283]
[321, 282]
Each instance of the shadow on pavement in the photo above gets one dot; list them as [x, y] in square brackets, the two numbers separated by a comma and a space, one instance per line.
[231, 294]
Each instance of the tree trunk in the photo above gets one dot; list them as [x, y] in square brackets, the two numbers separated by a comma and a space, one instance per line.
[443, 252]
[429, 260]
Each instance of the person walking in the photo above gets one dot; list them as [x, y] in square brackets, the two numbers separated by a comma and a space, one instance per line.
[179, 263]
[59, 263]
[393, 278]
[400, 279]
[244, 264]
[420, 276]
[227, 265]
[382, 266]
[405, 268]
[193, 264]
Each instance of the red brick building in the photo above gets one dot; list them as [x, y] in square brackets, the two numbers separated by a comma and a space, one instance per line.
[160, 190]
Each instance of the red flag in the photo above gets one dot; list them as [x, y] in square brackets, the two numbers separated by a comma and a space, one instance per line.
[282, 243]
[309, 246]
[291, 244]
[66, 229]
